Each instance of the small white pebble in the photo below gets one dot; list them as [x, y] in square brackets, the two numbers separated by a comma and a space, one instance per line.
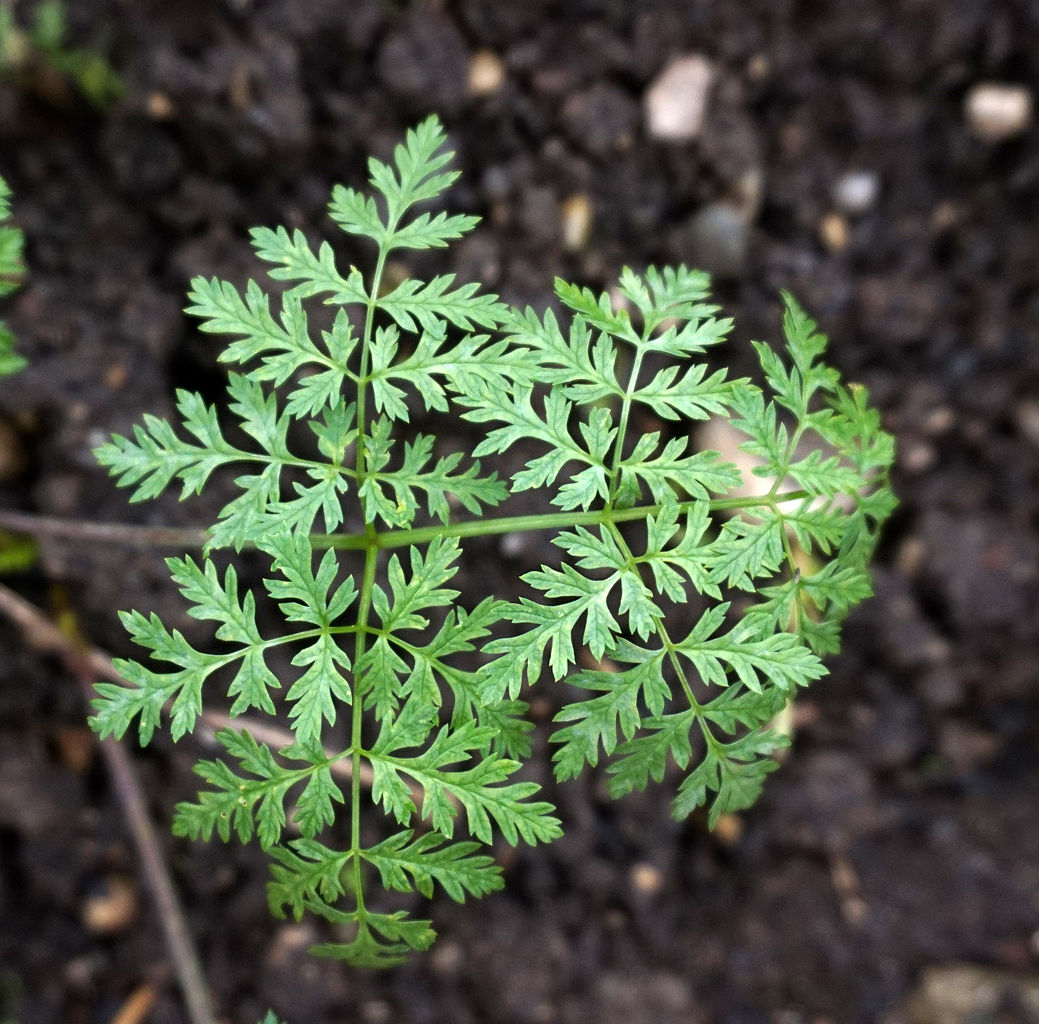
[576, 212]
[833, 233]
[758, 67]
[910, 556]
[939, 421]
[160, 106]
[996, 111]
[111, 907]
[289, 942]
[728, 829]
[512, 545]
[446, 956]
[1027, 417]
[80, 971]
[749, 191]
[918, 457]
[486, 73]
[676, 101]
[376, 1011]
[645, 878]
[856, 191]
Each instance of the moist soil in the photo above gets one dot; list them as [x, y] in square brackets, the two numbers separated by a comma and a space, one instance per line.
[902, 831]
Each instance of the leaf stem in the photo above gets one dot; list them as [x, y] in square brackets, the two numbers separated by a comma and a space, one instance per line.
[672, 655]
[371, 558]
[622, 428]
[191, 537]
[369, 542]
[547, 521]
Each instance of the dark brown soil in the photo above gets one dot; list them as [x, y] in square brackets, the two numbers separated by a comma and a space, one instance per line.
[903, 831]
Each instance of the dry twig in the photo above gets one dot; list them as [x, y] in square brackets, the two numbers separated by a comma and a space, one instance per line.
[86, 664]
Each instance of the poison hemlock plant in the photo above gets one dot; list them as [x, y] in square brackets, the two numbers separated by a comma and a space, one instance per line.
[363, 529]
[12, 271]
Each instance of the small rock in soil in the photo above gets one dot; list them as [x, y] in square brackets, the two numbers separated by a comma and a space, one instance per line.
[160, 107]
[909, 557]
[426, 62]
[646, 879]
[486, 73]
[996, 111]
[855, 192]
[657, 998]
[918, 457]
[716, 240]
[110, 905]
[969, 994]
[447, 957]
[601, 119]
[376, 1011]
[939, 421]
[1026, 416]
[834, 233]
[577, 215]
[676, 101]
[538, 216]
[80, 973]
[729, 829]
[748, 191]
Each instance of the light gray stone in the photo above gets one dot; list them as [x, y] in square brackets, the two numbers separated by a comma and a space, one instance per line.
[996, 111]
[676, 101]
[855, 192]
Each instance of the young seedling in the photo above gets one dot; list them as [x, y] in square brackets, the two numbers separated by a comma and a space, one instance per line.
[39, 56]
[363, 529]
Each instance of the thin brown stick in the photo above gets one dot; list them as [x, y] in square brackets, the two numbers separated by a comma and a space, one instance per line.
[43, 634]
[275, 737]
[193, 984]
[136, 1009]
[84, 664]
[127, 534]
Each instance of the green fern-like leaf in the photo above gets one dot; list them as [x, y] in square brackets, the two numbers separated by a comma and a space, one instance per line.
[402, 700]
